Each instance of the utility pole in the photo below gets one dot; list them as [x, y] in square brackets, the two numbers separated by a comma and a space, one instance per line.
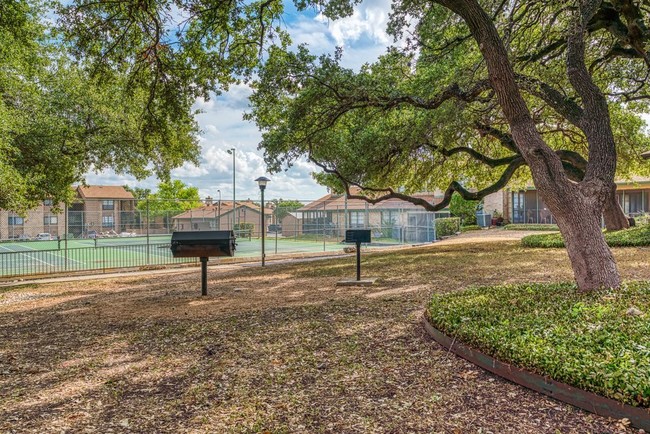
[234, 203]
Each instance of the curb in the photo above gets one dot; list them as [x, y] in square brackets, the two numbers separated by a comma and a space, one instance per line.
[591, 402]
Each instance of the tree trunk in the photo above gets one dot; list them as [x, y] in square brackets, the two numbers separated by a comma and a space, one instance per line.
[615, 219]
[577, 207]
[592, 261]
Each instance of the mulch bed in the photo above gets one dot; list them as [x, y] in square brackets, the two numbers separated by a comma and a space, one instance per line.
[275, 350]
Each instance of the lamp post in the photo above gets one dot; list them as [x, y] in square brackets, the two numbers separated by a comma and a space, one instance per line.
[261, 181]
[234, 206]
[219, 211]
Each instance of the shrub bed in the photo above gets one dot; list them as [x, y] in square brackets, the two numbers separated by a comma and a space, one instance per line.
[470, 228]
[632, 237]
[599, 342]
[531, 227]
[447, 226]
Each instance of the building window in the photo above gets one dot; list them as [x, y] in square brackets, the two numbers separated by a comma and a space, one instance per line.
[633, 203]
[108, 205]
[389, 218]
[50, 220]
[107, 221]
[357, 218]
[16, 221]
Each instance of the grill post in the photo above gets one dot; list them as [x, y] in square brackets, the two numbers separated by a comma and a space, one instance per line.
[204, 275]
[203, 244]
[358, 260]
[358, 237]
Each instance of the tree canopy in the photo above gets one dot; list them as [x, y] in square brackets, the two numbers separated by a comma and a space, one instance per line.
[482, 90]
[173, 195]
[111, 85]
[283, 207]
[427, 115]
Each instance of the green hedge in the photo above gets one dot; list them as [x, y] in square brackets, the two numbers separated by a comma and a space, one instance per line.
[586, 340]
[447, 226]
[470, 228]
[632, 237]
[531, 227]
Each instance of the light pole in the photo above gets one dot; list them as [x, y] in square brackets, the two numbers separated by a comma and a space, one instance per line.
[261, 181]
[219, 210]
[232, 151]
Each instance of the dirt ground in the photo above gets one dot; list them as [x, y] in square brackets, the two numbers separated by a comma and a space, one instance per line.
[277, 350]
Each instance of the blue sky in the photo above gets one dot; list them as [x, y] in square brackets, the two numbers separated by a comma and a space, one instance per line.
[363, 39]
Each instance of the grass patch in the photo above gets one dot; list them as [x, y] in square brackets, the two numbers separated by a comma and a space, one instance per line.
[531, 227]
[470, 228]
[585, 340]
[637, 236]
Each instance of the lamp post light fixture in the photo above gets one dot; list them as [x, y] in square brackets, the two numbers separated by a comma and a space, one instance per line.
[262, 181]
[234, 206]
[219, 211]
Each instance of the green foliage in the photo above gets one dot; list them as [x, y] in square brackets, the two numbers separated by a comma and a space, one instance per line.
[447, 226]
[284, 207]
[384, 126]
[643, 219]
[632, 237]
[244, 229]
[465, 209]
[58, 121]
[585, 340]
[171, 198]
[138, 192]
[531, 227]
[470, 228]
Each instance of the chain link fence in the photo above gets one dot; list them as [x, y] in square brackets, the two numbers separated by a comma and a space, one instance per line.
[136, 233]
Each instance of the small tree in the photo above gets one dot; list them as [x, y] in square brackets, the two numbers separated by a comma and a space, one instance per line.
[465, 209]
[170, 199]
[284, 207]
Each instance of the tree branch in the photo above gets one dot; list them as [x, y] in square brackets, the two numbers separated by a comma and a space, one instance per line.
[453, 187]
[595, 122]
[563, 105]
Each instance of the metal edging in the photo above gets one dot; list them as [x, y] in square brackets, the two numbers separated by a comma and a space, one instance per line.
[591, 402]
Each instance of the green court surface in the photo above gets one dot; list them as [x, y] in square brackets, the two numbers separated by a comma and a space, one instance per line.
[44, 257]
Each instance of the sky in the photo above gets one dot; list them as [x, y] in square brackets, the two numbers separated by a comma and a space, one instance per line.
[363, 39]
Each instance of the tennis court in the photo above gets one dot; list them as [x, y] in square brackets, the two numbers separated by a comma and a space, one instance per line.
[46, 257]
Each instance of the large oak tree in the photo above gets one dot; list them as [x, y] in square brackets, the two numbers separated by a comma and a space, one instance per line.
[484, 90]
[59, 119]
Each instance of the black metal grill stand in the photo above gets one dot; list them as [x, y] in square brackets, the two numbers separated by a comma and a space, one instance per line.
[358, 260]
[204, 276]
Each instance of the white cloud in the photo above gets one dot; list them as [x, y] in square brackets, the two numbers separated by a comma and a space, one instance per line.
[368, 20]
[362, 36]
[188, 170]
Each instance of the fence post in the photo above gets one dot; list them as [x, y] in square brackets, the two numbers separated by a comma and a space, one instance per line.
[324, 218]
[66, 232]
[147, 217]
[367, 219]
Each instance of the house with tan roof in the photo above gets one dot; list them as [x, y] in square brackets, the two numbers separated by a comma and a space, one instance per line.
[219, 215]
[42, 219]
[99, 208]
[333, 213]
[102, 208]
[527, 206]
